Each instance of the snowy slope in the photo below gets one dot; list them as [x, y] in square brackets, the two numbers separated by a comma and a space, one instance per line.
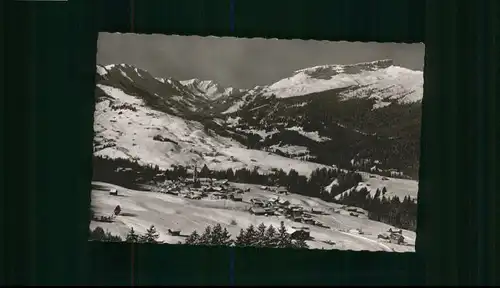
[281, 118]
[379, 80]
[125, 128]
[395, 187]
[171, 212]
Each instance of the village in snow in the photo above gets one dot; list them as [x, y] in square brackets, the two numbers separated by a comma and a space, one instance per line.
[320, 156]
[175, 209]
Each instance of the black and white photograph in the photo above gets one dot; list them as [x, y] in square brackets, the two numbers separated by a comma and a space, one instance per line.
[254, 142]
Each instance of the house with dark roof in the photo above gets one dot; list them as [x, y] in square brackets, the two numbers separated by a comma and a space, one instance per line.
[299, 234]
[258, 211]
[257, 202]
[236, 197]
[282, 190]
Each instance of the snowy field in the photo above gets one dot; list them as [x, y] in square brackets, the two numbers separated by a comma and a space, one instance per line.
[130, 134]
[395, 187]
[141, 209]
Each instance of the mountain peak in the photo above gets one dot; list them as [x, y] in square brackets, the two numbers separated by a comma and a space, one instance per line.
[323, 71]
[381, 75]
[208, 88]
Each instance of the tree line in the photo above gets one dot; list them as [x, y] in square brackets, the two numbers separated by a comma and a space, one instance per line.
[130, 173]
[261, 236]
[151, 236]
[392, 211]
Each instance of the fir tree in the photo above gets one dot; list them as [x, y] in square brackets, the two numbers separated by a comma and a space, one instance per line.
[226, 238]
[205, 238]
[219, 236]
[204, 172]
[193, 238]
[229, 174]
[99, 234]
[132, 237]
[251, 237]
[261, 235]
[284, 239]
[151, 235]
[271, 238]
[241, 238]
[215, 236]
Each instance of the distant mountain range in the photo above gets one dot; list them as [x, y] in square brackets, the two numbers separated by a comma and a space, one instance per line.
[362, 116]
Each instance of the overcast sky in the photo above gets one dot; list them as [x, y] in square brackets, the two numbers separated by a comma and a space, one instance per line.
[243, 63]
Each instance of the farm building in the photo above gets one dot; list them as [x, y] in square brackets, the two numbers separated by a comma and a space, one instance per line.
[299, 234]
[400, 231]
[174, 232]
[218, 196]
[295, 210]
[352, 209]
[273, 200]
[239, 191]
[270, 210]
[205, 180]
[283, 202]
[282, 190]
[355, 210]
[258, 211]
[317, 211]
[222, 182]
[396, 238]
[257, 202]
[236, 197]
[395, 174]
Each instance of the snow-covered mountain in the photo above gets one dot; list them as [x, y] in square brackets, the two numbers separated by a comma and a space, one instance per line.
[209, 89]
[365, 115]
[126, 127]
[378, 80]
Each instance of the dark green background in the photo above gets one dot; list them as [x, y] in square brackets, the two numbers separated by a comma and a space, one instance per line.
[48, 106]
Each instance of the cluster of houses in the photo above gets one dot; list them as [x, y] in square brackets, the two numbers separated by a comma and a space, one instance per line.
[274, 206]
[281, 207]
[201, 188]
[393, 236]
[355, 211]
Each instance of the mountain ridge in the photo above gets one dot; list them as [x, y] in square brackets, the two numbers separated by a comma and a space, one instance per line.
[375, 120]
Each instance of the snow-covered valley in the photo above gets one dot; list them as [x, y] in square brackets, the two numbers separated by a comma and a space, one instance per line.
[142, 209]
[322, 130]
